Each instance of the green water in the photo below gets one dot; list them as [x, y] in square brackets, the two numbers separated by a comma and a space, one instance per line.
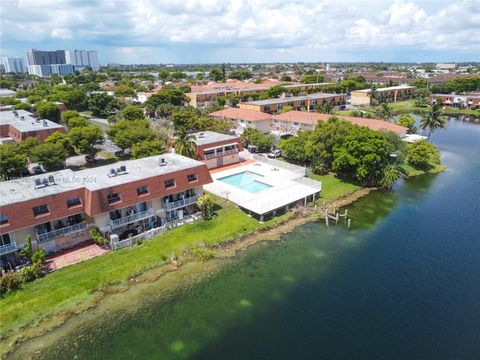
[402, 283]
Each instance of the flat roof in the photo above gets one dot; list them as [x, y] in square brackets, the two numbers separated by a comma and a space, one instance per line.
[29, 123]
[211, 137]
[6, 92]
[292, 98]
[399, 87]
[23, 189]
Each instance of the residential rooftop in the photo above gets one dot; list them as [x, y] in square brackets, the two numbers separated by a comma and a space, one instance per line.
[24, 121]
[312, 118]
[242, 114]
[390, 88]
[292, 98]
[23, 189]
[6, 92]
[210, 137]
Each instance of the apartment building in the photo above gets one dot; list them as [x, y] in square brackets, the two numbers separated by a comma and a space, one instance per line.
[216, 150]
[291, 122]
[123, 200]
[242, 119]
[17, 125]
[14, 65]
[387, 94]
[307, 102]
[461, 101]
[206, 95]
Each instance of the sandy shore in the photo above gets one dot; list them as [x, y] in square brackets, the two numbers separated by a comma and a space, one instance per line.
[158, 282]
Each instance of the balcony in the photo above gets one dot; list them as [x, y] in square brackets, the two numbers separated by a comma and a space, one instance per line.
[8, 248]
[223, 153]
[68, 230]
[181, 203]
[131, 218]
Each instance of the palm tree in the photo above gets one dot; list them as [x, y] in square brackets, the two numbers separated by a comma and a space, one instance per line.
[433, 119]
[384, 111]
[184, 143]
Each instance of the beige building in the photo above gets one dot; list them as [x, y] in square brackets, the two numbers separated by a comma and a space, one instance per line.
[216, 149]
[387, 94]
[307, 102]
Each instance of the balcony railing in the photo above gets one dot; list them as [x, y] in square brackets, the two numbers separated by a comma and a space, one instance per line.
[68, 230]
[223, 153]
[181, 203]
[8, 248]
[131, 218]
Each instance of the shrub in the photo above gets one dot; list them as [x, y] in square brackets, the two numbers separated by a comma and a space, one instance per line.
[32, 272]
[205, 204]
[201, 254]
[9, 283]
[421, 154]
[97, 236]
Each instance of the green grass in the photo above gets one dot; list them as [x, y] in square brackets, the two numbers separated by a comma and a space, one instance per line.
[410, 171]
[456, 111]
[65, 288]
[333, 187]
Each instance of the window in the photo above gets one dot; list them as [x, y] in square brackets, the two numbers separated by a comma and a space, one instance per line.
[169, 183]
[3, 219]
[143, 190]
[40, 210]
[192, 177]
[5, 239]
[74, 202]
[208, 152]
[113, 198]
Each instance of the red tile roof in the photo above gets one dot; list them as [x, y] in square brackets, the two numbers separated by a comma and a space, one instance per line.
[311, 118]
[234, 113]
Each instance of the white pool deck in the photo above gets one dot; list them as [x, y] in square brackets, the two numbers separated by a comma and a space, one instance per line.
[287, 185]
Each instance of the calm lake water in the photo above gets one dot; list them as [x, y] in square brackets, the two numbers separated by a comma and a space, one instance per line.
[402, 283]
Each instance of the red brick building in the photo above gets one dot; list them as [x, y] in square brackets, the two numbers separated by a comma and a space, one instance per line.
[123, 200]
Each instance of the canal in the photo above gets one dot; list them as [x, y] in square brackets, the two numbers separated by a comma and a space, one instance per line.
[402, 283]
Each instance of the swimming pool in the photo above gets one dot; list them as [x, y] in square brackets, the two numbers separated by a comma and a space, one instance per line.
[246, 180]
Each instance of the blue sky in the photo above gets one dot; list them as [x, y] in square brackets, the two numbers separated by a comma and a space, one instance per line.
[215, 31]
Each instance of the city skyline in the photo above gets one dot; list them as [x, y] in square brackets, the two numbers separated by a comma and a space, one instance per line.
[246, 32]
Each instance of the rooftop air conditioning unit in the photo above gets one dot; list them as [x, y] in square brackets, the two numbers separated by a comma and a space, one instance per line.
[122, 169]
[45, 182]
[45, 123]
[22, 118]
[51, 180]
[37, 120]
[38, 183]
[163, 162]
[112, 172]
[201, 135]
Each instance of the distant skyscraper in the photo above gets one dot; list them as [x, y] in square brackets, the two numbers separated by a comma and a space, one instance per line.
[39, 57]
[45, 63]
[82, 59]
[14, 65]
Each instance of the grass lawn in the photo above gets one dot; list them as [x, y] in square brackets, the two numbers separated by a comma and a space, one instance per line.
[69, 286]
[333, 187]
[410, 171]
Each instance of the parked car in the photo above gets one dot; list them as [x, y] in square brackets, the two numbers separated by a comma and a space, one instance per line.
[35, 169]
[275, 154]
[89, 159]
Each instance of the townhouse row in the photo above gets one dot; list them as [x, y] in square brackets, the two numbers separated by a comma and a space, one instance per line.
[291, 122]
[205, 96]
[122, 200]
[387, 94]
[461, 101]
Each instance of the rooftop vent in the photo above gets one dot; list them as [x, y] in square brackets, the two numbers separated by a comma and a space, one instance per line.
[163, 162]
[22, 118]
[37, 120]
[45, 123]
[201, 135]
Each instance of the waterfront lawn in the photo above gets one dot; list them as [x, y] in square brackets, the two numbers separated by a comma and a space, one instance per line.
[70, 287]
[333, 187]
[410, 171]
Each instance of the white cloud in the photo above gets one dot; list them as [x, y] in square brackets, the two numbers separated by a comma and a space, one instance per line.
[62, 33]
[313, 28]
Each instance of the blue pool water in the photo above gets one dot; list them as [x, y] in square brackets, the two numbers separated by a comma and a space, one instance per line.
[246, 180]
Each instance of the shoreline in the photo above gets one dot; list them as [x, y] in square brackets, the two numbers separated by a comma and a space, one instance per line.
[28, 339]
